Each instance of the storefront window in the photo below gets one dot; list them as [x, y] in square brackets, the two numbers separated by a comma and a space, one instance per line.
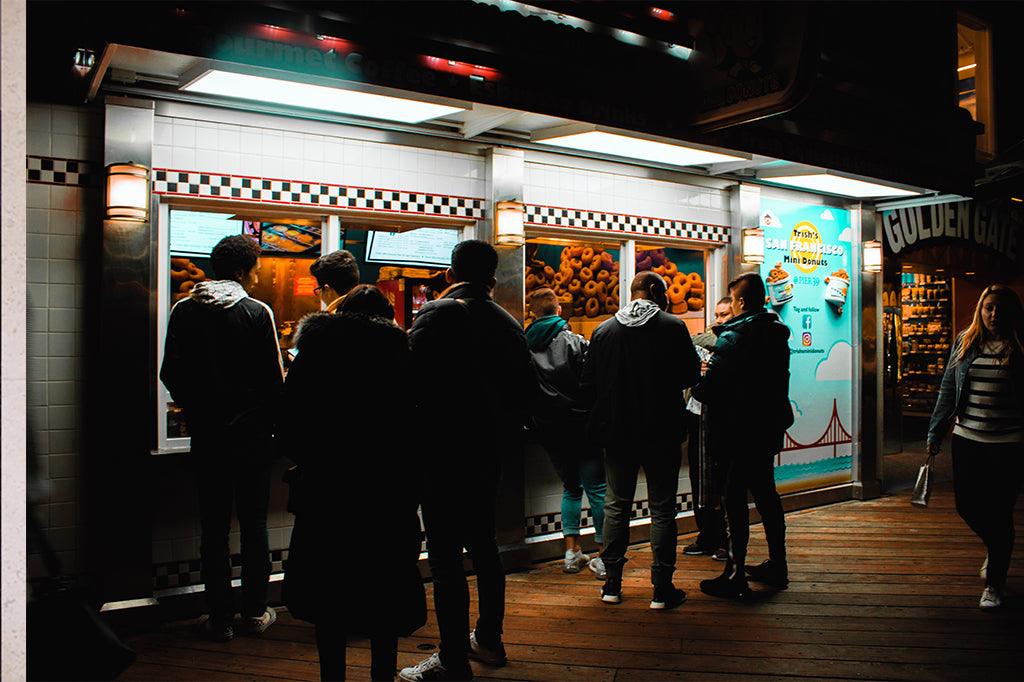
[583, 275]
[684, 273]
[974, 77]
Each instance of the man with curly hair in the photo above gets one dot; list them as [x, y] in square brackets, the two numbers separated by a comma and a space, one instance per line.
[222, 365]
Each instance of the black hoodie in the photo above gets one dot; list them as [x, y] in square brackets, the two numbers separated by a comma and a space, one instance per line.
[746, 387]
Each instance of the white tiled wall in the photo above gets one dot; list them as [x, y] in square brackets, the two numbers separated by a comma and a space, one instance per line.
[549, 185]
[56, 220]
[186, 144]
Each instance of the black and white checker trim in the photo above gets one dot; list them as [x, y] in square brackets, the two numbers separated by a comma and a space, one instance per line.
[52, 171]
[580, 219]
[304, 193]
[185, 573]
[543, 524]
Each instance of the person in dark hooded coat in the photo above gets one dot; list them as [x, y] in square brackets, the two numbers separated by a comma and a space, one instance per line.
[746, 389]
[352, 561]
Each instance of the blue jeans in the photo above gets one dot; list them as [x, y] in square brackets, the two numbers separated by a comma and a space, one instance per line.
[580, 470]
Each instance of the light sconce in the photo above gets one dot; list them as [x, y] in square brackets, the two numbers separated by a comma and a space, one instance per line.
[127, 192]
[508, 223]
[872, 259]
[753, 245]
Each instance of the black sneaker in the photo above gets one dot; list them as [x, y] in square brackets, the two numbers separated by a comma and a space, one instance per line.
[726, 588]
[667, 597]
[721, 554]
[488, 655]
[772, 573]
[611, 592]
[695, 549]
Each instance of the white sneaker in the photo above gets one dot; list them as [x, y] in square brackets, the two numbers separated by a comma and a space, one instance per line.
[575, 561]
[984, 569]
[597, 566]
[991, 598]
[431, 670]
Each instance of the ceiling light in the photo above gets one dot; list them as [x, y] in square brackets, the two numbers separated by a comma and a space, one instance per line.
[833, 182]
[312, 96]
[969, 66]
[589, 138]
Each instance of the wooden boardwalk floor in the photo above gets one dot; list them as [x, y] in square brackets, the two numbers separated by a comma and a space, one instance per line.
[879, 591]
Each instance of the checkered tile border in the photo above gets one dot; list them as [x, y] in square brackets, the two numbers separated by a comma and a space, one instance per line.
[183, 573]
[554, 216]
[542, 524]
[51, 171]
[305, 193]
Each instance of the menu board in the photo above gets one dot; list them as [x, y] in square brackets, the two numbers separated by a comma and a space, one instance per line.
[195, 233]
[807, 270]
[422, 246]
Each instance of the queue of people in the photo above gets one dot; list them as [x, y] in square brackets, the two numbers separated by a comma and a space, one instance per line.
[481, 380]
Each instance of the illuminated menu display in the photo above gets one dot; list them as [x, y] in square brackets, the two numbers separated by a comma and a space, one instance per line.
[422, 246]
[195, 233]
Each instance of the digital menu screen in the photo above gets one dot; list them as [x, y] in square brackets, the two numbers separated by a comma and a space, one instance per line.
[289, 239]
[195, 233]
[425, 246]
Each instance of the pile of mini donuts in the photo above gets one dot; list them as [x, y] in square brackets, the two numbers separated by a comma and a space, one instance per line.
[184, 275]
[685, 290]
[587, 280]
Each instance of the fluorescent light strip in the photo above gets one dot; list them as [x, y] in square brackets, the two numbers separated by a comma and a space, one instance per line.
[320, 97]
[834, 184]
[969, 66]
[637, 148]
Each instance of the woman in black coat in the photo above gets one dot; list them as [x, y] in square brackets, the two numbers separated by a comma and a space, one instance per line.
[351, 566]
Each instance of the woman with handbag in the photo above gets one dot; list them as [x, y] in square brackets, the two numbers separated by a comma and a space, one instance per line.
[982, 395]
[352, 562]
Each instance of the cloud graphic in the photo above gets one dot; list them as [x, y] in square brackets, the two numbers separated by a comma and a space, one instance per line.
[827, 215]
[796, 408]
[845, 236]
[838, 365]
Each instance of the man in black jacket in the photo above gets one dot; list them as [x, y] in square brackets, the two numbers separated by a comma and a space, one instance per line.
[746, 389]
[222, 366]
[559, 355]
[638, 366]
[477, 385]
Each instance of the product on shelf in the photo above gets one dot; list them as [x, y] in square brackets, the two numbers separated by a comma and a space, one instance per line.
[184, 276]
[586, 280]
[685, 290]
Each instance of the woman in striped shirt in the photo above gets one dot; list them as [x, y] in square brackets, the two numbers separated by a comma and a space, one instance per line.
[982, 394]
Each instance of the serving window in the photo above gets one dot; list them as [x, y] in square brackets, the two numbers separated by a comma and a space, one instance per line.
[685, 273]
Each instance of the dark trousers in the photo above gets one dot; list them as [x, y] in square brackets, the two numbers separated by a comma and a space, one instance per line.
[330, 648]
[754, 474]
[241, 480]
[705, 488]
[456, 517]
[660, 463]
[987, 480]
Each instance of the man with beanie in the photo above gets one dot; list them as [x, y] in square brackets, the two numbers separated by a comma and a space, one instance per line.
[639, 363]
[559, 354]
[746, 389]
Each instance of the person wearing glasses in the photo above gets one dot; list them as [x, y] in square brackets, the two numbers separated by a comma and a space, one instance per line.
[336, 274]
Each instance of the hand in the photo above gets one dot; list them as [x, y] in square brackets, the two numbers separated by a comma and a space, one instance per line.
[703, 368]
[933, 449]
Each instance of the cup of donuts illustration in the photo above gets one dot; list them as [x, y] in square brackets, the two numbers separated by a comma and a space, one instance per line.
[780, 285]
[836, 287]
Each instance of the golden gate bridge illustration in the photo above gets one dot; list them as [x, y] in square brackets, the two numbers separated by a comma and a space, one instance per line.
[835, 435]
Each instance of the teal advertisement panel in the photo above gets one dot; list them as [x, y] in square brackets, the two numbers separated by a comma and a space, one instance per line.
[808, 273]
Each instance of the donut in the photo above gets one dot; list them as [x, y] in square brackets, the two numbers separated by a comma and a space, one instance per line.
[676, 294]
[575, 252]
[671, 269]
[576, 264]
[179, 276]
[180, 263]
[595, 263]
[697, 287]
[565, 253]
[590, 288]
[565, 298]
[695, 303]
[186, 286]
[680, 279]
[615, 292]
[575, 286]
[643, 264]
[577, 311]
[531, 282]
[586, 274]
[559, 279]
[694, 277]
[603, 276]
[549, 271]
[587, 255]
[686, 286]
[668, 281]
[659, 269]
[593, 307]
[678, 308]
[611, 305]
[602, 289]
